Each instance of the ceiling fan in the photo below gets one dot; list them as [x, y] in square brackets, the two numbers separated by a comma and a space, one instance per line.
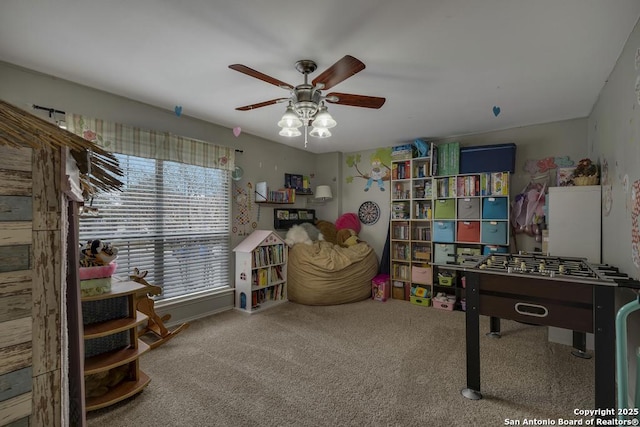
[306, 101]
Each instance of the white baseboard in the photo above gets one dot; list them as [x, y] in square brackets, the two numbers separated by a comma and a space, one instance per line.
[565, 336]
[191, 308]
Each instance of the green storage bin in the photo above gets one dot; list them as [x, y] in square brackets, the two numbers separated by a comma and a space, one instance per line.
[445, 209]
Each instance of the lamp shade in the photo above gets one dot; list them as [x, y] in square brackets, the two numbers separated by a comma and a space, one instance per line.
[323, 119]
[290, 119]
[320, 132]
[323, 192]
[290, 132]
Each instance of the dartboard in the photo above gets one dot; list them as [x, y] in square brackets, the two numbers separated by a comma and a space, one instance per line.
[369, 213]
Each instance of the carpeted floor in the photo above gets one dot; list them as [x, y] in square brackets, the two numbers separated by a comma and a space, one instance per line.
[362, 364]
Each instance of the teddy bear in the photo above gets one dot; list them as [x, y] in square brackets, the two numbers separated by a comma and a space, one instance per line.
[328, 230]
[347, 237]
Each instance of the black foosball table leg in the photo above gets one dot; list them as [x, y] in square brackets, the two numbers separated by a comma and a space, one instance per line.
[580, 345]
[494, 327]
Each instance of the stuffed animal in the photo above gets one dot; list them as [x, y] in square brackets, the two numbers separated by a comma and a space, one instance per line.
[347, 237]
[328, 230]
[303, 233]
[97, 253]
[348, 220]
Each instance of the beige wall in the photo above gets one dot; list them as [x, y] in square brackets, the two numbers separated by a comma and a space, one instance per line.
[614, 139]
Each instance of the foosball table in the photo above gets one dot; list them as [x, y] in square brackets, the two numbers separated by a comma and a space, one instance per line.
[564, 292]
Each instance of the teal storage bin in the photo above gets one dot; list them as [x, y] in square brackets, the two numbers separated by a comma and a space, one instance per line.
[495, 208]
[444, 253]
[444, 209]
[444, 231]
[494, 232]
[494, 249]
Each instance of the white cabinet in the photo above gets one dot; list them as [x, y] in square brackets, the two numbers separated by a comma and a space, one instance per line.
[261, 271]
[574, 220]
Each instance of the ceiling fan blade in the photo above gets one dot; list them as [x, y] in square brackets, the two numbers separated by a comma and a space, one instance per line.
[261, 104]
[340, 71]
[355, 100]
[260, 76]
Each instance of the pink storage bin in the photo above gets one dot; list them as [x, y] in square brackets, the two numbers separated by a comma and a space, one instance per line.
[99, 272]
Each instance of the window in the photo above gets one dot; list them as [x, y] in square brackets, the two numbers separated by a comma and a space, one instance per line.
[171, 219]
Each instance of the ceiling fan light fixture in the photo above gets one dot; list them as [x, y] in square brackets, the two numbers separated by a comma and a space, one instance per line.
[290, 132]
[320, 132]
[290, 120]
[323, 119]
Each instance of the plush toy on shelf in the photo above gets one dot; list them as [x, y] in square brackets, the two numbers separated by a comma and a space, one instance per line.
[97, 253]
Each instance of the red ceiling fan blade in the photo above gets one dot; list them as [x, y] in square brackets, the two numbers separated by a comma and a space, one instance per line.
[261, 104]
[260, 76]
[355, 100]
[340, 71]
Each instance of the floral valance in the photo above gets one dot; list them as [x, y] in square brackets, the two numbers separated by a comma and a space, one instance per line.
[150, 144]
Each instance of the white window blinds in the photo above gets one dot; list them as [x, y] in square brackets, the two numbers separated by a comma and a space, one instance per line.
[171, 219]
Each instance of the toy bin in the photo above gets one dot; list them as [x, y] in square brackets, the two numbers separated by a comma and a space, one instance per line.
[397, 290]
[446, 278]
[426, 302]
[381, 287]
[444, 303]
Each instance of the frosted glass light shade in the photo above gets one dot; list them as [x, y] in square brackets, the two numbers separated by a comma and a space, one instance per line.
[320, 133]
[290, 119]
[291, 132]
[323, 119]
[323, 192]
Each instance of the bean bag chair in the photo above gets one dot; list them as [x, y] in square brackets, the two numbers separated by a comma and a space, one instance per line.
[326, 274]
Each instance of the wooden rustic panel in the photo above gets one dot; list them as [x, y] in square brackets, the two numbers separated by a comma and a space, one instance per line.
[47, 196]
[47, 400]
[15, 383]
[14, 409]
[16, 331]
[15, 158]
[15, 183]
[15, 258]
[15, 233]
[15, 282]
[15, 357]
[16, 208]
[15, 307]
[24, 422]
[46, 293]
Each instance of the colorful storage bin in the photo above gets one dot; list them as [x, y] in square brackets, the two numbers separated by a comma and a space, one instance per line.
[444, 253]
[495, 208]
[462, 252]
[444, 209]
[444, 231]
[469, 208]
[494, 232]
[444, 302]
[494, 249]
[426, 302]
[468, 231]
[422, 275]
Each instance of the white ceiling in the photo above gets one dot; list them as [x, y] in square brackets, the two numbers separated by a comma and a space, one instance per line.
[441, 64]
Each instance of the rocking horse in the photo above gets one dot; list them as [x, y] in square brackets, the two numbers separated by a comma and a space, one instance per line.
[155, 333]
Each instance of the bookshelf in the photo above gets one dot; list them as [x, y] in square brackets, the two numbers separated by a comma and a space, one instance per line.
[112, 346]
[470, 217]
[411, 224]
[261, 271]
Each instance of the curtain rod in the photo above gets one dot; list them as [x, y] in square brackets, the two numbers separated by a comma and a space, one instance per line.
[51, 111]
